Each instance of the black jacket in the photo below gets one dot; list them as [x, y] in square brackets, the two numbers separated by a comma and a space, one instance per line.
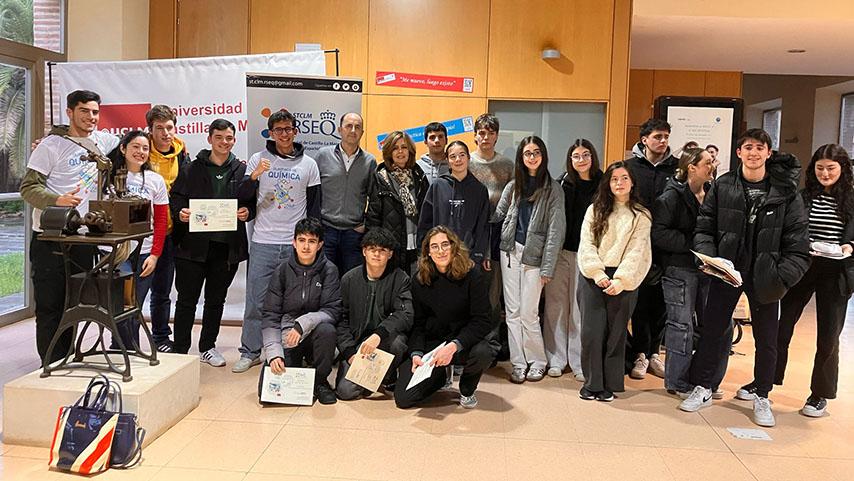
[447, 310]
[846, 275]
[299, 297]
[577, 196]
[650, 179]
[463, 206]
[674, 216]
[385, 208]
[394, 306]
[780, 252]
[193, 182]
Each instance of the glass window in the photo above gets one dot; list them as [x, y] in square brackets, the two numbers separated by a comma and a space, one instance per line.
[846, 123]
[33, 22]
[771, 124]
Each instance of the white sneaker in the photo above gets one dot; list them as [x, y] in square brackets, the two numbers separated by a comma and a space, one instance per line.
[555, 372]
[468, 402]
[746, 392]
[212, 357]
[641, 365]
[718, 394]
[762, 414]
[656, 366]
[244, 363]
[578, 377]
[700, 397]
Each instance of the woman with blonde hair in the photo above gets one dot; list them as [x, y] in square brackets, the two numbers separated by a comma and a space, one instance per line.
[452, 313]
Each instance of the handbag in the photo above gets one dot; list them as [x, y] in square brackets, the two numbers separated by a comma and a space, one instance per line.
[89, 439]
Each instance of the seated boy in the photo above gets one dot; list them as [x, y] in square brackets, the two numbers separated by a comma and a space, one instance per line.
[302, 306]
[376, 311]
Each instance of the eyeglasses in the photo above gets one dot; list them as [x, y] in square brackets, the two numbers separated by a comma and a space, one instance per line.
[530, 154]
[440, 247]
[280, 130]
[585, 156]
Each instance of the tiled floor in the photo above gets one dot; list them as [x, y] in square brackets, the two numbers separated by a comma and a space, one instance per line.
[533, 431]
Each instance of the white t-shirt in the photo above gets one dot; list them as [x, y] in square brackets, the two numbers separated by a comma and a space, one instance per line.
[281, 195]
[59, 159]
[154, 190]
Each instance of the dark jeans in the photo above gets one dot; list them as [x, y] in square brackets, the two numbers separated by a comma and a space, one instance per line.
[216, 274]
[130, 329]
[161, 290]
[603, 334]
[647, 322]
[474, 362]
[47, 269]
[347, 390]
[822, 278]
[718, 318]
[318, 349]
[342, 248]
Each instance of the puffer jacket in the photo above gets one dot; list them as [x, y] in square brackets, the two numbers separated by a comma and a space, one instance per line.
[299, 297]
[674, 217]
[780, 255]
[546, 231]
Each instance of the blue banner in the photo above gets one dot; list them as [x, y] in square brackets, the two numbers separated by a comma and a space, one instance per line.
[456, 126]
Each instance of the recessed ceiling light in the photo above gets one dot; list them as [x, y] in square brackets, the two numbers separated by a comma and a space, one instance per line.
[796, 50]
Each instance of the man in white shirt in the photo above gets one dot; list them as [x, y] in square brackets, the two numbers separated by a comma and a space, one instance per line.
[57, 176]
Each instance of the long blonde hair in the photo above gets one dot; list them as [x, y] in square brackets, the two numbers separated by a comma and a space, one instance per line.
[460, 263]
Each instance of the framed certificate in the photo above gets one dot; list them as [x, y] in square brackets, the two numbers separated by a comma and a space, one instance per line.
[213, 215]
[294, 386]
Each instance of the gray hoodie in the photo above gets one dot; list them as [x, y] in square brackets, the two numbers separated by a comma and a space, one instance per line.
[433, 170]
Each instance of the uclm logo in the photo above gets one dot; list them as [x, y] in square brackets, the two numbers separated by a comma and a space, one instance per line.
[120, 119]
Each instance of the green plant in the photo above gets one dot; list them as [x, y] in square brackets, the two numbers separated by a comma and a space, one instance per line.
[12, 278]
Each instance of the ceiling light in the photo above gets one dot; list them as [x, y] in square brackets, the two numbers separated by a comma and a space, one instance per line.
[796, 50]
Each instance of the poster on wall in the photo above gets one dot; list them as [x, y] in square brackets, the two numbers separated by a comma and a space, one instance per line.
[318, 103]
[455, 127]
[425, 81]
[706, 121]
[200, 90]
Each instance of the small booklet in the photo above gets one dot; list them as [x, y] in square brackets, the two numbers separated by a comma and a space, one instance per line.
[721, 268]
[828, 250]
[369, 370]
[424, 371]
[294, 386]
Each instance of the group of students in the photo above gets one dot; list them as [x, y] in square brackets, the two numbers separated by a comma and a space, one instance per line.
[350, 255]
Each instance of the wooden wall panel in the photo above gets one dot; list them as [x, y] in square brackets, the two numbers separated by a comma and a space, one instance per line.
[580, 29]
[640, 96]
[615, 132]
[386, 113]
[275, 28]
[212, 27]
[678, 82]
[723, 84]
[161, 28]
[440, 37]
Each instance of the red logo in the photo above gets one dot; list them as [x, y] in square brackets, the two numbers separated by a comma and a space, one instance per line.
[121, 118]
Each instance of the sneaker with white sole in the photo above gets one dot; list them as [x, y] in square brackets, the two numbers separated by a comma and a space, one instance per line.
[212, 357]
[656, 366]
[518, 375]
[535, 374]
[746, 392]
[165, 347]
[718, 394]
[244, 363]
[586, 394]
[555, 372]
[468, 402]
[605, 396]
[762, 414]
[579, 377]
[700, 397]
[815, 407]
[641, 365]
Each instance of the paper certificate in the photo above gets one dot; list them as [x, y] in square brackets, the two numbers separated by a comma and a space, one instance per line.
[294, 386]
[424, 371]
[213, 215]
[369, 371]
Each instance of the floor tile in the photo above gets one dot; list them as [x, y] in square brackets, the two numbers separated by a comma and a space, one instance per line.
[227, 446]
[464, 458]
[325, 444]
[698, 465]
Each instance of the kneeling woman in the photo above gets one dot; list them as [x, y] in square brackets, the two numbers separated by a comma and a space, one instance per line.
[613, 256]
[452, 307]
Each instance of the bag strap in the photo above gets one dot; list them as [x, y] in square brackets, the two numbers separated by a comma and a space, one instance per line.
[96, 402]
[137, 454]
[117, 399]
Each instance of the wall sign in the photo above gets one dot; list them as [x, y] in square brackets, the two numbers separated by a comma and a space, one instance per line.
[425, 82]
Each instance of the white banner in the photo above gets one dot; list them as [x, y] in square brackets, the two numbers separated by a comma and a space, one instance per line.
[199, 89]
[317, 103]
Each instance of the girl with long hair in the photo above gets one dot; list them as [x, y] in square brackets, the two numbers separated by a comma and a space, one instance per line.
[562, 321]
[531, 235]
[829, 198]
[614, 255]
[452, 314]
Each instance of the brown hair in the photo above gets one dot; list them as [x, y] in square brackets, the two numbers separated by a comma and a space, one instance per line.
[460, 265]
[603, 203]
[160, 112]
[594, 159]
[388, 147]
[689, 157]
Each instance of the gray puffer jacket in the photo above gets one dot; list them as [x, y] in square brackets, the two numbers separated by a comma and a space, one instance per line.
[546, 230]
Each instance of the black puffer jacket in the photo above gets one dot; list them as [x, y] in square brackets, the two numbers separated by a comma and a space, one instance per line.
[674, 217]
[385, 208]
[780, 254]
[650, 179]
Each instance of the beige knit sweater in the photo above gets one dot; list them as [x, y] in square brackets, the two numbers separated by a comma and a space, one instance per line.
[625, 245]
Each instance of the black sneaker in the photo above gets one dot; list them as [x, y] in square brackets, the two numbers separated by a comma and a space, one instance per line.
[605, 396]
[746, 392]
[325, 394]
[586, 394]
[814, 407]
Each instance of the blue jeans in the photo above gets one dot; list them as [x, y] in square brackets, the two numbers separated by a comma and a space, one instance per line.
[263, 261]
[342, 248]
[130, 329]
[160, 306]
[685, 293]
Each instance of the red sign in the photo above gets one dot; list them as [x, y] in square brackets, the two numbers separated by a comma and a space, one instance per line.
[121, 118]
[426, 82]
